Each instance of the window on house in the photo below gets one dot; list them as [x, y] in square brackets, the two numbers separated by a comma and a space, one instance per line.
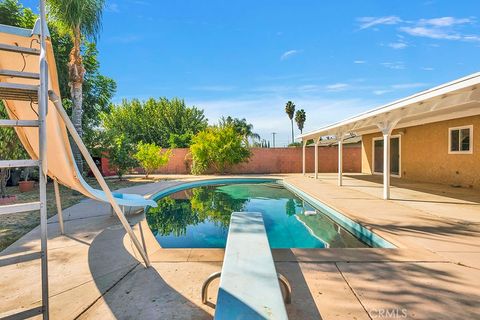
[460, 140]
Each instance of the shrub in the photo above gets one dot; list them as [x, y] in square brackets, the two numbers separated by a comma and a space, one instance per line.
[217, 148]
[120, 154]
[151, 157]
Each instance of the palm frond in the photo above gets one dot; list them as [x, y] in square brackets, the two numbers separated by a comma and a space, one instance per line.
[85, 15]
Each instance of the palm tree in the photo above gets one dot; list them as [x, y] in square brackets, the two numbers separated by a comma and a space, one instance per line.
[241, 126]
[81, 19]
[300, 118]
[290, 111]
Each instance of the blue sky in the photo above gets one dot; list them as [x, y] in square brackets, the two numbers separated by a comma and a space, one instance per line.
[247, 58]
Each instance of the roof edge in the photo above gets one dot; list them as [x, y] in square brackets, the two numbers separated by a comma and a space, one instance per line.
[403, 102]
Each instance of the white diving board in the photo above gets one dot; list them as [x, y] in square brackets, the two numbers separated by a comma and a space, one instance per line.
[249, 285]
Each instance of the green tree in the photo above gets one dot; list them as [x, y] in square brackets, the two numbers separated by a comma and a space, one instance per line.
[80, 19]
[172, 216]
[300, 118]
[290, 207]
[120, 154]
[206, 204]
[211, 204]
[166, 123]
[290, 111]
[10, 149]
[97, 88]
[151, 157]
[14, 14]
[241, 126]
[218, 148]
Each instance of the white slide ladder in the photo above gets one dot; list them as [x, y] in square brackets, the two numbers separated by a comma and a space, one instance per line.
[32, 93]
[37, 87]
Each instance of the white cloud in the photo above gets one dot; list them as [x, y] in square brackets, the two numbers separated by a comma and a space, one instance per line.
[289, 54]
[409, 85]
[368, 22]
[434, 33]
[440, 28]
[359, 61]
[471, 37]
[434, 28]
[398, 45]
[399, 65]
[380, 92]
[445, 21]
[337, 87]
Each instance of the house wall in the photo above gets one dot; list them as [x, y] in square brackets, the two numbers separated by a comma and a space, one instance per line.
[270, 160]
[425, 157]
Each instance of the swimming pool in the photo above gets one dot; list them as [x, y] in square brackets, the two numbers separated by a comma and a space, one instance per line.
[197, 215]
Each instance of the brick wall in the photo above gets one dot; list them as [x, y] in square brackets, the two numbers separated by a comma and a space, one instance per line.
[271, 160]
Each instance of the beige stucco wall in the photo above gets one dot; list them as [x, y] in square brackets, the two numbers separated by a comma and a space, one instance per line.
[425, 157]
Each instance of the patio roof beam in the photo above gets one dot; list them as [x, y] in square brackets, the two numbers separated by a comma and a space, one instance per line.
[386, 127]
[304, 146]
[340, 158]
[317, 141]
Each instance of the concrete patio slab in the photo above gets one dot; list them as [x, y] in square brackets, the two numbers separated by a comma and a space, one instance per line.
[320, 292]
[158, 293]
[95, 273]
[420, 290]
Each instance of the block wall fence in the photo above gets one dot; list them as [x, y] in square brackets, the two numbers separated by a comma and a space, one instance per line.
[269, 160]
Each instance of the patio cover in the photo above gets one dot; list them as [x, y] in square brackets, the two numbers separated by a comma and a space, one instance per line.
[455, 99]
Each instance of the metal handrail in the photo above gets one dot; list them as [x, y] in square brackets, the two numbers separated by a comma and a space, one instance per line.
[286, 285]
[281, 278]
[42, 154]
[206, 284]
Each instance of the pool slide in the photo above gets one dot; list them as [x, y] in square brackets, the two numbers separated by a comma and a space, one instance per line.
[60, 161]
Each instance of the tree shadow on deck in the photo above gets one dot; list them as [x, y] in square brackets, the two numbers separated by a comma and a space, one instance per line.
[381, 280]
[138, 293]
[422, 290]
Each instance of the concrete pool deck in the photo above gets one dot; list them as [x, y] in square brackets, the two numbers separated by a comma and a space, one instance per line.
[433, 274]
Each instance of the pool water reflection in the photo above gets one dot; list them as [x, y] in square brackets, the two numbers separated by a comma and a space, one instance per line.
[199, 218]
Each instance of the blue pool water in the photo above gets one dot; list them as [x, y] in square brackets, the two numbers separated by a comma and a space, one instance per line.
[199, 217]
